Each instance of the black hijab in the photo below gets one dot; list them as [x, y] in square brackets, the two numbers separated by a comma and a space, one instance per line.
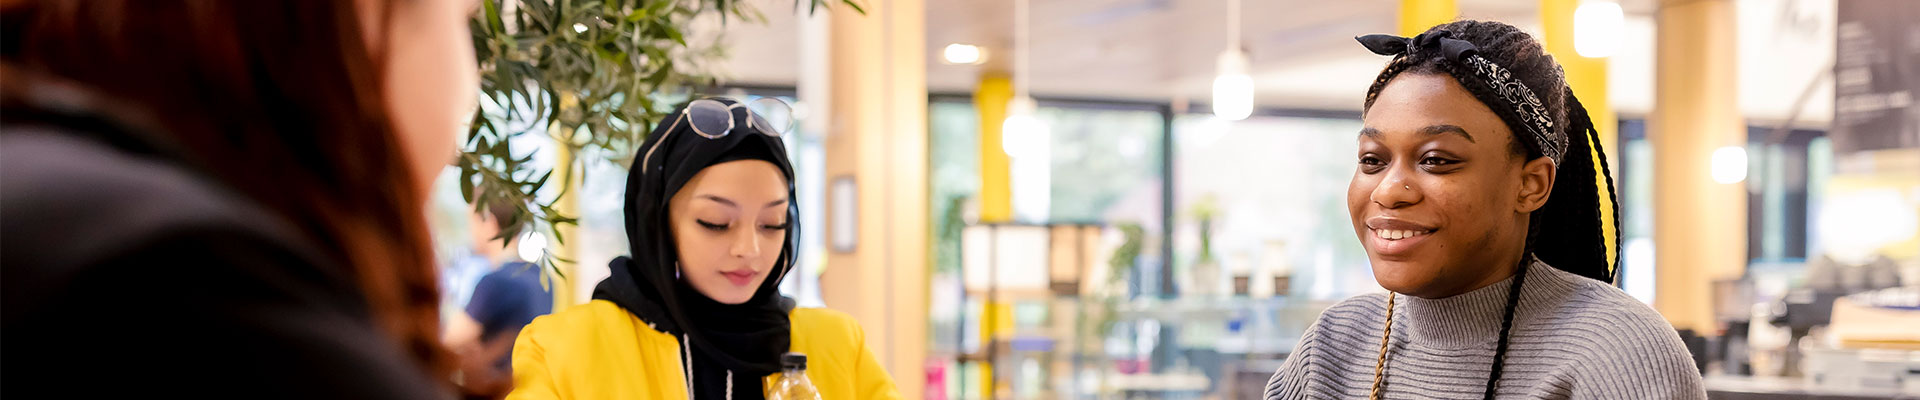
[742, 341]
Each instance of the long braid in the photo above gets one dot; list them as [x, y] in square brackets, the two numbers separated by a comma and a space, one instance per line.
[1506, 325]
[1576, 241]
[1577, 115]
[1380, 365]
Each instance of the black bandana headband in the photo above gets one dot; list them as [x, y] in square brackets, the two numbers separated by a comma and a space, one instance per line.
[1511, 94]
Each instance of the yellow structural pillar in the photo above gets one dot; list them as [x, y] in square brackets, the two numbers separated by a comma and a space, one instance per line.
[568, 252]
[1418, 15]
[996, 177]
[1588, 78]
[996, 199]
[568, 204]
[1699, 225]
[877, 139]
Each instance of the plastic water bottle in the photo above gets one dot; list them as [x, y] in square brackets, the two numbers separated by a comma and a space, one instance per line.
[793, 383]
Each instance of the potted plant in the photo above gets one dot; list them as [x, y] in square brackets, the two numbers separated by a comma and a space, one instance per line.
[1204, 275]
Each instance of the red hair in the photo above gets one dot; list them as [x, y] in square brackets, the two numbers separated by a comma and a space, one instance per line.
[279, 100]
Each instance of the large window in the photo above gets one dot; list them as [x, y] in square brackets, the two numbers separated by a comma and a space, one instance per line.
[1103, 166]
[1787, 170]
[1276, 187]
[1105, 162]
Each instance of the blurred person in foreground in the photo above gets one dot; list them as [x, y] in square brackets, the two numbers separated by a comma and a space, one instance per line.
[1476, 196]
[506, 298]
[225, 199]
[696, 311]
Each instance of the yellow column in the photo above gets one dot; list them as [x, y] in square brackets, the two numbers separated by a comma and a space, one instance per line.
[1699, 226]
[996, 324]
[567, 204]
[996, 199]
[1588, 78]
[878, 139]
[563, 289]
[1418, 15]
[996, 177]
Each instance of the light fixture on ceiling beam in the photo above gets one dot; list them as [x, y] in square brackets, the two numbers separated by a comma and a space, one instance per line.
[1232, 87]
[1026, 138]
[1021, 129]
[1597, 28]
[963, 54]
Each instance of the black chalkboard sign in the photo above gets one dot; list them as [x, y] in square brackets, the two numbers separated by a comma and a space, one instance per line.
[1877, 76]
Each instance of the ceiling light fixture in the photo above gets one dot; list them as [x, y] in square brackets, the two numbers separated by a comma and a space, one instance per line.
[1597, 27]
[1232, 87]
[963, 54]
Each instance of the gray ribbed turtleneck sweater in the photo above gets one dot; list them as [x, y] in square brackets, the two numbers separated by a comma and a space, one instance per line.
[1573, 338]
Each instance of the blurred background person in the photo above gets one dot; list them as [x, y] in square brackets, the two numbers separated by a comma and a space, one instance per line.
[507, 297]
[235, 186]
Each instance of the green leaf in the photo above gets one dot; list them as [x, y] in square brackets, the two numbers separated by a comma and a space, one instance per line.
[856, 6]
[659, 6]
[541, 183]
[466, 180]
[547, 261]
[674, 33]
[490, 16]
[536, 14]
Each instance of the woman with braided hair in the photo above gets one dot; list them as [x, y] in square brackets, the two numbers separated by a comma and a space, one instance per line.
[1475, 198]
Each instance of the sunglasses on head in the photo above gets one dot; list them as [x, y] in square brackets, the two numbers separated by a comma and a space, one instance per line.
[713, 119]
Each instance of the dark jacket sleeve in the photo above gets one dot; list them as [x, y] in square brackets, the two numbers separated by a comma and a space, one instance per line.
[218, 314]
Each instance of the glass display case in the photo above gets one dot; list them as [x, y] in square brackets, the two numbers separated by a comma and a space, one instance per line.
[1042, 312]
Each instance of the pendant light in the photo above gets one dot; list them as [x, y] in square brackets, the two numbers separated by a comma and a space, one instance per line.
[1021, 134]
[1597, 27]
[1232, 87]
[1026, 139]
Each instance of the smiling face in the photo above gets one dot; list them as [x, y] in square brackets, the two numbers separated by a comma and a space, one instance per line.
[1440, 198]
[729, 223]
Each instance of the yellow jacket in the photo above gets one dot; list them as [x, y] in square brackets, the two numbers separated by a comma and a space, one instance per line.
[600, 351]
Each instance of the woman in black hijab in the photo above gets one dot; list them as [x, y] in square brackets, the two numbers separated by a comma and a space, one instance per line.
[695, 312]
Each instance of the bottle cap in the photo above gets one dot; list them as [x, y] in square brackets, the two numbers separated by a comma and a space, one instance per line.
[793, 360]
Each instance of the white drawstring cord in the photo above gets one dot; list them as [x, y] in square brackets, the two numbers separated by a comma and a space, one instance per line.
[686, 353]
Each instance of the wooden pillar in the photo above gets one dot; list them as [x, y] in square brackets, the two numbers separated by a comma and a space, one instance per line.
[1699, 225]
[877, 138]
